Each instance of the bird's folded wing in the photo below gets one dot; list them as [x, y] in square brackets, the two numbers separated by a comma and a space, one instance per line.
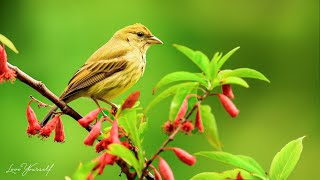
[92, 73]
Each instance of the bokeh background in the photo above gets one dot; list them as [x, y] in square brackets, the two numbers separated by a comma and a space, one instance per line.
[278, 38]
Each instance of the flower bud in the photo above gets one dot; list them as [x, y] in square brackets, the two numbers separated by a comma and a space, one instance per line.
[187, 127]
[59, 132]
[49, 127]
[182, 111]
[228, 105]
[183, 156]
[168, 127]
[226, 90]
[93, 134]
[157, 174]
[165, 169]
[131, 100]
[103, 160]
[86, 120]
[5, 72]
[113, 138]
[239, 177]
[34, 126]
[198, 123]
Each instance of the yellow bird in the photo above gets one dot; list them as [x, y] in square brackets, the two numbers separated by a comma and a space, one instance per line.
[112, 69]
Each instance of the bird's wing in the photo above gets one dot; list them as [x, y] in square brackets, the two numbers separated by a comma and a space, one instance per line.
[92, 73]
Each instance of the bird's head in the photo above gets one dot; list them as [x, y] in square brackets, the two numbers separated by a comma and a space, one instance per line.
[137, 35]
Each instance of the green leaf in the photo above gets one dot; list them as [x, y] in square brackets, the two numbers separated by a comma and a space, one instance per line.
[8, 43]
[181, 76]
[83, 171]
[210, 126]
[213, 66]
[197, 57]
[226, 57]
[285, 160]
[126, 155]
[128, 120]
[245, 73]
[234, 160]
[230, 80]
[230, 174]
[251, 161]
[179, 98]
[166, 93]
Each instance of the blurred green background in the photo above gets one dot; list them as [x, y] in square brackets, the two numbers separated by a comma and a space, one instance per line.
[278, 38]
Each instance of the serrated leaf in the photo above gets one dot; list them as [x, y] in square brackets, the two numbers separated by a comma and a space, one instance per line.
[180, 76]
[83, 171]
[197, 57]
[231, 80]
[179, 98]
[166, 93]
[126, 155]
[245, 73]
[285, 160]
[8, 43]
[233, 160]
[210, 126]
[230, 174]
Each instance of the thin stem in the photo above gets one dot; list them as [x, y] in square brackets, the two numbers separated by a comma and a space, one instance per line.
[171, 137]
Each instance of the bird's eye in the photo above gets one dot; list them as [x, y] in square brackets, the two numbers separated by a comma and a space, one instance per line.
[140, 34]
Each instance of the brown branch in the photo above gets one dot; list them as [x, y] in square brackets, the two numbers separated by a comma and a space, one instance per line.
[44, 91]
[172, 135]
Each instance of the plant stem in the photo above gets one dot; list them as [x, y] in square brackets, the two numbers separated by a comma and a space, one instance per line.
[172, 135]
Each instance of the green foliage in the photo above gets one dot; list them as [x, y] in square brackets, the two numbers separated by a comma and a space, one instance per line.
[285, 160]
[83, 170]
[210, 126]
[179, 98]
[244, 73]
[230, 174]
[8, 43]
[128, 120]
[125, 154]
[241, 162]
[166, 93]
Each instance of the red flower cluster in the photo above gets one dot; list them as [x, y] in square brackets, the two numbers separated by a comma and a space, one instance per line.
[35, 128]
[226, 102]
[5, 72]
[112, 138]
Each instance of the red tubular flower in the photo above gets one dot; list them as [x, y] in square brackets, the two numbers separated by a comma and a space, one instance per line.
[157, 174]
[103, 160]
[165, 169]
[49, 127]
[198, 123]
[131, 100]
[182, 111]
[5, 72]
[226, 89]
[90, 176]
[86, 120]
[93, 134]
[228, 105]
[187, 127]
[183, 156]
[113, 138]
[168, 127]
[239, 177]
[59, 132]
[34, 126]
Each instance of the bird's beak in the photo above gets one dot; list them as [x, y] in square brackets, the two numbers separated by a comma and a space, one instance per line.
[154, 40]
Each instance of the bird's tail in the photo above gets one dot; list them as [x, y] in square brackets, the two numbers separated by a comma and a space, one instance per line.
[48, 116]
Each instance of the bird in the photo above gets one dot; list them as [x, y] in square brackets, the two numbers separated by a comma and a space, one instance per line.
[112, 69]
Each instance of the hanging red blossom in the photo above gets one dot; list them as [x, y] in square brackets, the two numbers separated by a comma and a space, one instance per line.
[34, 126]
[49, 127]
[187, 127]
[183, 155]
[165, 169]
[59, 132]
[226, 90]
[103, 160]
[112, 138]
[5, 72]
[198, 123]
[168, 127]
[131, 100]
[86, 120]
[93, 134]
[228, 105]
